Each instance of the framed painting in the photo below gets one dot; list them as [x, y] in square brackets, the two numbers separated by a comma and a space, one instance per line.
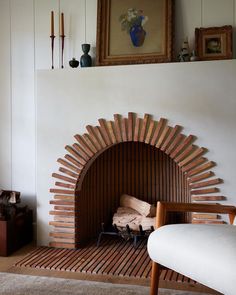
[214, 43]
[134, 31]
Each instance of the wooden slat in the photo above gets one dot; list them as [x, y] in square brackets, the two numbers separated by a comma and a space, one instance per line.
[63, 245]
[150, 130]
[61, 224]
[201, 177]
[64, 208]
[68, 172]
[206, 183]
[163, 136]
[160, 125]
[138, 122]
[84, 145]
[62, 235]
[111, 132]
[79, 158]
[99, 136]
[124, 129]
[205, 191]
[194, 164]
[195, 221]
[64, 197]
[80, 150]
[208, 198]
[131, 119]
[62, 213]
[65, 218]
[181, 147]
[105, 133]
[62, 202]
[65, 185]
[68, 179]
[93, 136]
[117, 118]
[62, 191]
[205, 216]
[74, 161]
[144, 127]
[185, 153]
[201, 168]
[64, 229]
[68, 165]
[64, 240]
[171, 137]
[176, 142]
[88, 140]
[197, 153]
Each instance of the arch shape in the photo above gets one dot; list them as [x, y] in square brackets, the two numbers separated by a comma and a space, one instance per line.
[81, 155]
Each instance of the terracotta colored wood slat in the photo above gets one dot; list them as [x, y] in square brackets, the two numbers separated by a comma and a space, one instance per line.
[194, 164]
[68, 165]
[160, 126]
[163, 136]
[56, 257]
[88, 140]
[64, 208]
[79, 158]
[65, 218]
[74, 161]
[63, 245]
[68, 172]
[80, 150]
[184, 154]
[110, 129]
[34, 254]
[145, 264]
[195, 221]
[174, 132]
[35, 262]
[64, 197]
[66, 261]
[105, 133]
[65, 185]
[61, 191]
[180, 148]
[84, 145]
[131, 119]
[201, 168]
[144, 127]
[65, 229]
[100, 136]
[93, 136]
[117, 119]
[205, 191]
[197, 153]
[64, 203]
[208, 198]
[206, 183]
[64, 240]
[68, 179]
[124, 129]
[205, 216]
[138, 123]
[61, 213]
[62, 224]
[201, 177]
[176, 142]
[150, 131]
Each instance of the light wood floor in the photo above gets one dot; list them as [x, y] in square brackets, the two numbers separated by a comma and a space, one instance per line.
[7, 265]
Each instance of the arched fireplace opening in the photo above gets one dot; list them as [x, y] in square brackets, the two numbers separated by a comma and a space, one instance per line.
[133, 168]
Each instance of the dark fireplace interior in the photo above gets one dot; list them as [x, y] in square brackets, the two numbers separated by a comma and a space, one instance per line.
[133, 168]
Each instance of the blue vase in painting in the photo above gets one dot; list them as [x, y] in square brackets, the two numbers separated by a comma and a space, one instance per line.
[137, 35]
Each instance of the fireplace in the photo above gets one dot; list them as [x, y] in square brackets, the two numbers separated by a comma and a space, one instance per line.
[138, 156]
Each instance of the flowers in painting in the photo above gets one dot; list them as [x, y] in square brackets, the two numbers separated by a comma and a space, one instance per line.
[133, 17]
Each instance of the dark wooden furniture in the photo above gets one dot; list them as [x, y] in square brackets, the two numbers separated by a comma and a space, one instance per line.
[15, 233]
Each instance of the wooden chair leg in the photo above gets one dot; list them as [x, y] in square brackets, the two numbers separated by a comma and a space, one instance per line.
[156, 270]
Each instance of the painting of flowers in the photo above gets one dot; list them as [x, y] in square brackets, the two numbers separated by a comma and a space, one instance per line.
[133, 22]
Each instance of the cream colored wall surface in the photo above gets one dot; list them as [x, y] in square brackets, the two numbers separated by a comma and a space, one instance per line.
[199, 96]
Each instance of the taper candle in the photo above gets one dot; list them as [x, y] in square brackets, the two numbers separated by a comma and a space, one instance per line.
[52, 23]
[62, 24]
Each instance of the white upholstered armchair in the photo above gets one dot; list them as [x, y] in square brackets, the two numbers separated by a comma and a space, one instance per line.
[203, 252]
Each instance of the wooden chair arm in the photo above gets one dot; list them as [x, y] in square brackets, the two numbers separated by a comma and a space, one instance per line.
[164, 207]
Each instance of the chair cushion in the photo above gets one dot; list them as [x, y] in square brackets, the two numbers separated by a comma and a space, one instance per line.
[205, 253]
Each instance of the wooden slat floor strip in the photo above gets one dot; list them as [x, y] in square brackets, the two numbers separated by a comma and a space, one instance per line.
[114, 257]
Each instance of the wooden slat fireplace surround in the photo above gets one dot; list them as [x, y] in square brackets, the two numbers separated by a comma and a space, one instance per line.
[138, 156]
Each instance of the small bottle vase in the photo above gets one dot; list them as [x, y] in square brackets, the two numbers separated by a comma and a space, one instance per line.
[85, 59]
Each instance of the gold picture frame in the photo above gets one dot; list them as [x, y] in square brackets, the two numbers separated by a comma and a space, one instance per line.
[214, 43]
[134, 32]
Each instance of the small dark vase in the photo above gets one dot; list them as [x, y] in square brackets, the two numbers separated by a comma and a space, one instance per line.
[74, 63]
[137, 35]
[85, 60]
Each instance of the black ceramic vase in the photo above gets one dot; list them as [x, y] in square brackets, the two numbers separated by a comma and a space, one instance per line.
[74, 63]
[85, 60]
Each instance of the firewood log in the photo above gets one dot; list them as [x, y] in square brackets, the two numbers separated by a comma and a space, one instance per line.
[142, 207]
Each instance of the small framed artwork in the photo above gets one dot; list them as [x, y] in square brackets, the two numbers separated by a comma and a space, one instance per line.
[214, 43]
[134, 31]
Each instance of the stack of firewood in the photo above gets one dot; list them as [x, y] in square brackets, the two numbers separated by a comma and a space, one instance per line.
[134, 212]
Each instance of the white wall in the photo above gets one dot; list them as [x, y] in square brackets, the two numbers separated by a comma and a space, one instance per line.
[25, 47]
